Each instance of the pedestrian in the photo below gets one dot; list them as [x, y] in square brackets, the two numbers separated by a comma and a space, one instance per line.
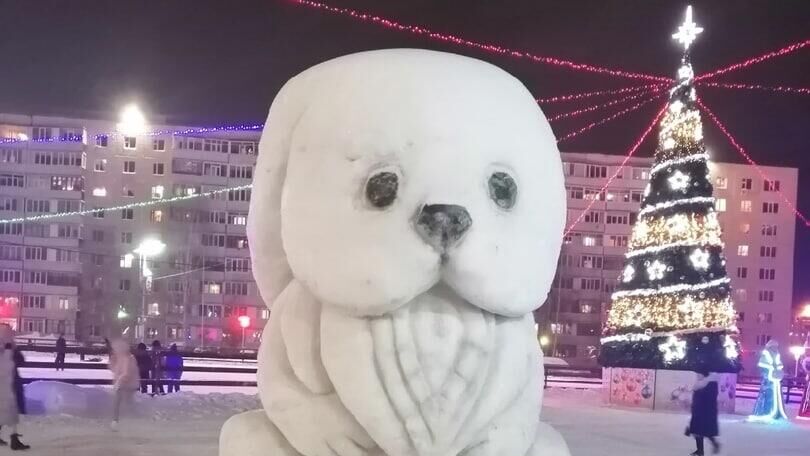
[174, 368]
[703, 424]
[157, 369]
[144, 366]
[61, 349]
[9, 396]
[125, 378]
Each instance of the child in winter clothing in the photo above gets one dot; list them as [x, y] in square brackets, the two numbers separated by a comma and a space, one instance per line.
[9, 405]
[703, 423]
[173, 362]
[126, 378]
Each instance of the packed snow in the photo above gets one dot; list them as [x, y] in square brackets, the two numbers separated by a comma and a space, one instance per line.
[187, 424]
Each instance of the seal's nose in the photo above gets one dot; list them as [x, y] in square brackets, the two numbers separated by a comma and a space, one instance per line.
[442, 225]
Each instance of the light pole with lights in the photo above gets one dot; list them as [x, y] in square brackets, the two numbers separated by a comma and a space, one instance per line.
[147, 248]
[244, 322]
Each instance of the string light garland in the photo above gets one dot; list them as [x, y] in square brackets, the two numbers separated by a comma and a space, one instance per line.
[607, 119]
[777, 89]
[755, 60]
[629, 154]
[580, 96]
[671, 289]
[601, 106]
[139, 204]
[492, 48]
[748, 158]
[679, 161]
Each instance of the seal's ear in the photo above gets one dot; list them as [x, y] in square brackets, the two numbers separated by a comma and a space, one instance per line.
[270, 267]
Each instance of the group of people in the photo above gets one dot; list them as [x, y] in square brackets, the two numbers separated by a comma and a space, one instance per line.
[157, 367]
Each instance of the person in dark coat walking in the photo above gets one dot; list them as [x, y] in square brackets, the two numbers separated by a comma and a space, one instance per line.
[144, 361]
[61, 349]
[703, 424]
[174, 368]
[157, 369]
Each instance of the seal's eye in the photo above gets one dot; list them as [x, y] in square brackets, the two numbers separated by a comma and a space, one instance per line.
[381, 189]
[502, 190]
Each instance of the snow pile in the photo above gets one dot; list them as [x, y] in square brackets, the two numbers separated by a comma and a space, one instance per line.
[51, 398]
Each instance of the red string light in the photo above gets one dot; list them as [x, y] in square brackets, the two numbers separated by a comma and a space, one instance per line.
[603, 121]
[579, 96]
[748, 158]
[782, 89]
[630, 153]
[754, 60]
[608, 104]
[493, 48]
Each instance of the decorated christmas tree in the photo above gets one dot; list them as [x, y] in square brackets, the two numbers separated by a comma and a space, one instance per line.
[672, 307]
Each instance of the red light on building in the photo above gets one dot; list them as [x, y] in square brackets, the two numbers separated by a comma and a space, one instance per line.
[244, 321]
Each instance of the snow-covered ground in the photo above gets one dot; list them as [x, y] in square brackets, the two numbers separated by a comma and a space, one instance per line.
[187, 424]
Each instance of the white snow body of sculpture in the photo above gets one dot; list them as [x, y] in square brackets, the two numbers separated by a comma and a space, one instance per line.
[406, 218]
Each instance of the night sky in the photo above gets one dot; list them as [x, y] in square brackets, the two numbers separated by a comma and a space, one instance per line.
[221, 62]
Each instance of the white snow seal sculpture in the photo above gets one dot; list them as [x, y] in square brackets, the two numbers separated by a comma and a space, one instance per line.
[406, 218]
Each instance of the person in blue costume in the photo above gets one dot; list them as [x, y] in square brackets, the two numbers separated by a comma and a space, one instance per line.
[769, 406]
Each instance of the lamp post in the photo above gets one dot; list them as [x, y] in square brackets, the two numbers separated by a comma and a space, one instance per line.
[244, 322]
[147, 248]
[797, 351]
[132, 121]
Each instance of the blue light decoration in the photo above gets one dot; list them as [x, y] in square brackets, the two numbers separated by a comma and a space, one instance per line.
[769, 407]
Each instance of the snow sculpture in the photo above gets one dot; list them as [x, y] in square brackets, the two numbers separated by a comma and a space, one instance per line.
[407, 215]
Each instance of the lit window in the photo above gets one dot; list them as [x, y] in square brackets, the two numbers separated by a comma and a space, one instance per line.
[721, 182]
[126, 260]
[154, 309]
[99, 191]
[742, 250]
[588, 241]
[64, 303]
[265, 314]
[720, 204]
[745, 227]
[157, 192]
[126, 191]
[100, 165]
[156, 215]
[745, 205]
[129, 142]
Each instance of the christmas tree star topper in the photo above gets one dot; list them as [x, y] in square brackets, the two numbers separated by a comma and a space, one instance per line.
[688, 31]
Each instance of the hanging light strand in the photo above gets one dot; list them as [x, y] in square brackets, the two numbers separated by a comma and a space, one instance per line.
[607, 119]
[492, 48]
[748, 158]
[149, 203]
[601, 106]
[630, 153]
[776, 89]
[580, 96]
[755, 60]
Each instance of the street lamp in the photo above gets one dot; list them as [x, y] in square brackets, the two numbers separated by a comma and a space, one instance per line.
[543, 341]
[147, 248]
[797, 351]
[244, 322]
[132, 121]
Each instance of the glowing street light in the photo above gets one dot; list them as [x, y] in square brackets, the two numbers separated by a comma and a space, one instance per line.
[122, 314]
[543, 341]
[244, 322]
[147, 248]
[797, 351]
[132, 121]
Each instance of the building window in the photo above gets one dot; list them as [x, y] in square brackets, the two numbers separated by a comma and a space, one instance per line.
[213, 240]
[100, 165]
[158, 169]
[575, 193]
[209, 287]
[98, 236]
[126, 237]
[767, 251]
[767, 274]
[100, 191]
[721, 182]
[236, 242]
[123, 285]
[33, 302]
[129, 167]
[237, 218]
[770, 208]
[237, 264]
[771, 186]
[97, 259]
[213, 169]
[745, 205]
[745, 228]
[16, 229]
[265, 314]
[742, 250]
[239, 195]
[8, 203]
[129, 142]
[236, 288]
[766, 295]
[64, 303]
[159, 144]
[127, 192]
[219, 217]
[746, 183]
[127, 214]
[98, 213]
[763, 339]
[154, 309]
[741, 294]
[641, 173]
[101, 141]
[10, 155]
[126, 261]
[617, 219]
[720, 204]
[769, 230]
[592, 217]
[742, 272]
[595, 171]
[617, 241]
[241, 172]
[156, 215]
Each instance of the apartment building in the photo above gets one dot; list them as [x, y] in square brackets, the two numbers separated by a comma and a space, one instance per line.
[196, 288]
[759, 236]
